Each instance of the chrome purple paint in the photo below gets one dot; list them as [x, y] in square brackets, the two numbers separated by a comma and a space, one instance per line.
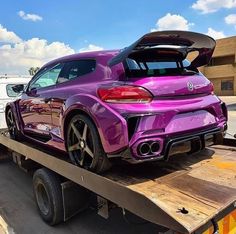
[175, 110]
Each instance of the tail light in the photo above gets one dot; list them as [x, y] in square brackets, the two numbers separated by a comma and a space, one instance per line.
[125, 94]
[211, 88]
[224, 110]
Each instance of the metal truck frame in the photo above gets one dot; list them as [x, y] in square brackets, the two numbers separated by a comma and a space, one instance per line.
[188, 194]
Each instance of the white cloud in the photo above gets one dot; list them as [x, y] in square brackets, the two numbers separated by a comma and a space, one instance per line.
[32, 17]
[172, 22]
[209, 6]
[91, 47]
[17, 58]
[8, 36]
[17, 55]
[231, 19]
[215, 34]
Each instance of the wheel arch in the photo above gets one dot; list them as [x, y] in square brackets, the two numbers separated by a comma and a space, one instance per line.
[71, 114]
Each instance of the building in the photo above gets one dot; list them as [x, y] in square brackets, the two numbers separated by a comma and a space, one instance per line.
[222, 67]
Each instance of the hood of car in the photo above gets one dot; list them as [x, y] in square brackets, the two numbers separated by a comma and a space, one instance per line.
[182, 41]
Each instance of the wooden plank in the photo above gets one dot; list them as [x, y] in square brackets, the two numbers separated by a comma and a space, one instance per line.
[203, 184]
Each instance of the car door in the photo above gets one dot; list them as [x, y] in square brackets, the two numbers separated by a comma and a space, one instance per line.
[35, 103]
[72, 74]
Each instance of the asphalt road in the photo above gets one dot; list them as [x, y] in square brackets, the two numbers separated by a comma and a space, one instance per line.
[18, 209]
[17, 206]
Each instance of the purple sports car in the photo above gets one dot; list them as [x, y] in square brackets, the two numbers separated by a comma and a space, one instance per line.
[146, 102]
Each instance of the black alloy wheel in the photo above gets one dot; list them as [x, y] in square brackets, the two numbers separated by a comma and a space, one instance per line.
[11, 124]
[84, 146]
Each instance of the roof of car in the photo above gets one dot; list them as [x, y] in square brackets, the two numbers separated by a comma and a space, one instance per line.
[90, 54]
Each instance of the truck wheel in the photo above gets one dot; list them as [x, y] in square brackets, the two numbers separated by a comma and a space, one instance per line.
[48, 195]
[84, 146]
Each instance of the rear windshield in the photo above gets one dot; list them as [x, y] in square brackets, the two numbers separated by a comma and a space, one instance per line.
[144, 66]
[10, 92]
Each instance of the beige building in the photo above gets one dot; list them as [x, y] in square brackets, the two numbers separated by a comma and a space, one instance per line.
[222, 67]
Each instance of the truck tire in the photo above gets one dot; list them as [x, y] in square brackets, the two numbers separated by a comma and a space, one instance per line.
[48, 196]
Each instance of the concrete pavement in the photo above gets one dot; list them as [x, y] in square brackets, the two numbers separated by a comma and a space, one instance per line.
[229, 100]
[231, 124]
[231, 103]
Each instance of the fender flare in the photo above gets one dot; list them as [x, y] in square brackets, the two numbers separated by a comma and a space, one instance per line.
[111, 126]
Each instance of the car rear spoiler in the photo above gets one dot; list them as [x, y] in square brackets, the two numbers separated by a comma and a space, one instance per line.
[186, 41]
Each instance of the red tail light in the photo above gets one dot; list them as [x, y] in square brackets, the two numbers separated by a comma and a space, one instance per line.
[212, 88]
[125, 94]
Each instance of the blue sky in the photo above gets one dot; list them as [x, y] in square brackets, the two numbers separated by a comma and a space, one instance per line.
[109, 24]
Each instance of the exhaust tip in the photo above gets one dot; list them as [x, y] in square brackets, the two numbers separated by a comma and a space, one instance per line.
[144, 149]
[155, 147]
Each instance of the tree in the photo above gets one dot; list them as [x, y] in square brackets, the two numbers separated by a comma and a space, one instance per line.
[33, 70]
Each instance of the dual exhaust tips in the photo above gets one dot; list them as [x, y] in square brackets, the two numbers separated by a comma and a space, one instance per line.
[149, 148]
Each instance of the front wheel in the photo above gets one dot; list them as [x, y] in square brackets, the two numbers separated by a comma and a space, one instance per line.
[11, 125]
[84, 146]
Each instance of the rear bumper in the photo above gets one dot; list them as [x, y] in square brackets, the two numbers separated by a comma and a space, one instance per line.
[188, 143]
[132, 124]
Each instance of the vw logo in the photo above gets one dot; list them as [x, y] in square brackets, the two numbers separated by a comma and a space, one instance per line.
[190, 86]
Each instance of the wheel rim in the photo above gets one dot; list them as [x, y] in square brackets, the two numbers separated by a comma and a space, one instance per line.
[42, 199]
[11, 123]
[80, 144]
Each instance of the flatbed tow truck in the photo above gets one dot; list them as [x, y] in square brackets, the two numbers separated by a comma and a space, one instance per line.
[188, 194]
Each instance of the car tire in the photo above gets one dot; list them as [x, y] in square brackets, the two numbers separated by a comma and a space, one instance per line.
[14, 133]
[48, 196]
[84, 145]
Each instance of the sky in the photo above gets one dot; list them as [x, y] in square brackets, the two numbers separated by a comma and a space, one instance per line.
[35, 32]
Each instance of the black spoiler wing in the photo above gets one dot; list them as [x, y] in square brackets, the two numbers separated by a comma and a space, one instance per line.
[188, 41]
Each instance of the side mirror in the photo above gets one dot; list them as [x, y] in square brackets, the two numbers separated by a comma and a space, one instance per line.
[18, 88]
[32, 92]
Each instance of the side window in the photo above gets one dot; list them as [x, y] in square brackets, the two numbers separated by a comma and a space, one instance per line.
[47, 78]
[74, 69]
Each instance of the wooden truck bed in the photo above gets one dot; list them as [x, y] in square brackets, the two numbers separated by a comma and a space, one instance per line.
[183, 194]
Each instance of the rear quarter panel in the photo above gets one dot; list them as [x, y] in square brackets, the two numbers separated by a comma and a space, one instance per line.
[111, 126]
